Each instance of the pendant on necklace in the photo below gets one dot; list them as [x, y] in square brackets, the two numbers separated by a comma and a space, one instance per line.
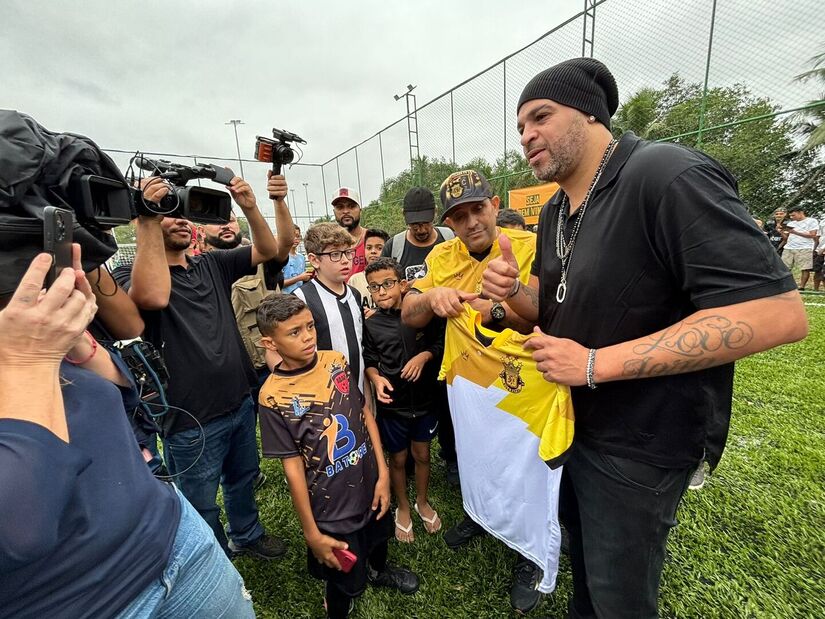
[561, 292]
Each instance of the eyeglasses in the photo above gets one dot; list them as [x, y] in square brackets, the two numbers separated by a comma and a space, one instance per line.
[420, 226]
[335, 256]
[387, 284]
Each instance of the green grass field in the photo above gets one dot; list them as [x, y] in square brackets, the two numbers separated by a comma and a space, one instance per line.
[750, 544]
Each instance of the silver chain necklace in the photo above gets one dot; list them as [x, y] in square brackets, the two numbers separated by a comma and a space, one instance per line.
[564, 249]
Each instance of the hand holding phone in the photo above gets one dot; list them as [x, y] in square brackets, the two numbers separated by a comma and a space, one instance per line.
[346, 558]
[57, 240]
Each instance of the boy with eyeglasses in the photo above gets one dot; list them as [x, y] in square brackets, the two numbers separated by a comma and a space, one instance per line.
[402, 365]
[335, 306]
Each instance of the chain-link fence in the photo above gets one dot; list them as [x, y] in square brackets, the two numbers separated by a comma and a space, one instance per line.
[716, 74]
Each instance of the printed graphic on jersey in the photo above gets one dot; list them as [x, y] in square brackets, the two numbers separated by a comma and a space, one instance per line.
[511, 374]
[415, 271]
[297, 408]
[339, 378]
[341, 448]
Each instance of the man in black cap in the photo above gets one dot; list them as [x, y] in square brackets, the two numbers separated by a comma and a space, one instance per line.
[410, 249]
[646, 338]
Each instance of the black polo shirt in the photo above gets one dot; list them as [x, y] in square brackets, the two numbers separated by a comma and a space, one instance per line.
[209, 370]
[665, 235]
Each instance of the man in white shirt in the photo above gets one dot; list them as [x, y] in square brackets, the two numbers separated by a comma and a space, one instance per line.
[801, 233]
[819, 257]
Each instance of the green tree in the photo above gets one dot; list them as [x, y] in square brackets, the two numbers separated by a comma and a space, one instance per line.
[125, 234]
[812, 126]
[761, 153]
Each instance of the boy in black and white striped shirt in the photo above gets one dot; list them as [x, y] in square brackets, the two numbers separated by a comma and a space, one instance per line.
[335, 306]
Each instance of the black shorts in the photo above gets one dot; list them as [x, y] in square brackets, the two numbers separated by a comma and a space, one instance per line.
[362, 543]
[818, 262]
[397, 431]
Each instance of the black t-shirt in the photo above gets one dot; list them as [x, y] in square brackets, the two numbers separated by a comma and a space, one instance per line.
[413, 257]
[774, 236]
[209, 369]
[317, 412]
[665, 235]
[85, 525]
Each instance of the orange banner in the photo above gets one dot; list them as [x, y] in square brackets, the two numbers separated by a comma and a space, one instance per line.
[529, 200]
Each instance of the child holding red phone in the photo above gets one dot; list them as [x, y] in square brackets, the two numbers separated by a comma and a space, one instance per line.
[313, 418]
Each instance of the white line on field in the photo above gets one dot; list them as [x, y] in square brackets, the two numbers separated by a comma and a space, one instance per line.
[815, 304]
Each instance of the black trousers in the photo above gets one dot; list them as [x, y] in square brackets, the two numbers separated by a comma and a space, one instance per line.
[446, 433]
[618, 513]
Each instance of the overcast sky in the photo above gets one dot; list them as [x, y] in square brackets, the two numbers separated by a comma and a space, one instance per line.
[166, 75]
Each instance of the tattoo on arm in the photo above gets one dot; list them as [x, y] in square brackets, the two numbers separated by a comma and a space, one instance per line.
[695, 342]
[532, 294]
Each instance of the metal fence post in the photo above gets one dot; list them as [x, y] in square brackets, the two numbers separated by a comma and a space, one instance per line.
[326, 195]
[452, 123]
[703, 106]
[505, 112]
[358, 173]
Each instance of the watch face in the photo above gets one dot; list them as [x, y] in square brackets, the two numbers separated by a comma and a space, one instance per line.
[497, 312]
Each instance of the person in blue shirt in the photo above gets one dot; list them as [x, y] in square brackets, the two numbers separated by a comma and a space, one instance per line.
[85, 529]
[295, 271]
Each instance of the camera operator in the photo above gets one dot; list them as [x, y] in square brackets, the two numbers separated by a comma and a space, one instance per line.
[185, 302]
[86, 530]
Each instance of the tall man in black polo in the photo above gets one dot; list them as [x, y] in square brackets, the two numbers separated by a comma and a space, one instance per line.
[410, 249]
[657, 284]
[209, 431]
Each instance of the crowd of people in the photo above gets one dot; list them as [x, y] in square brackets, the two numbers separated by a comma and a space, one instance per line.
[597, 353]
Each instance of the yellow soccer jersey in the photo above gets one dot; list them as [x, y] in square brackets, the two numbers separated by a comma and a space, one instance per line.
[449, 264]
[497, 362]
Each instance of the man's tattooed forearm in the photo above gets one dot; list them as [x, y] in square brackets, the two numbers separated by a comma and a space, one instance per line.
[532, 294]
[695, 341]
[646, 367]
[699, 337]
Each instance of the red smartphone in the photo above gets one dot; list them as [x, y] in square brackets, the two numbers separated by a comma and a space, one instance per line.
[346, 558]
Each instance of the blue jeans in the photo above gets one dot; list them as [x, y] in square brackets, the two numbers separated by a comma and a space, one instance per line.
[618, 513]
[229, 459]
[199, 580]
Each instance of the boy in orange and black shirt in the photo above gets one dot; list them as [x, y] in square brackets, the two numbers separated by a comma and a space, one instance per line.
[313, 418]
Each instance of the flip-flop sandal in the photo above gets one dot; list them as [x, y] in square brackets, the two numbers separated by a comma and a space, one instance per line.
[406, 530]
[429, 523]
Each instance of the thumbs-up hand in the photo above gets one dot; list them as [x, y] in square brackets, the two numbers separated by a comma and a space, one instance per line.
[500, 276]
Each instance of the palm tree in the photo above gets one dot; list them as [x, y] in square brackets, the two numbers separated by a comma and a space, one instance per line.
[813, 122]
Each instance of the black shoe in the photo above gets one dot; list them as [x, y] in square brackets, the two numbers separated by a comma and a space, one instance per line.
[462, 533]
[452, 474]
[265, 547]
[259, 482]
[524, 593]
[398, 578]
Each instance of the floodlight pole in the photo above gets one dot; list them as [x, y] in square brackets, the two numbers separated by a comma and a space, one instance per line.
[235, 124]
[412, 125]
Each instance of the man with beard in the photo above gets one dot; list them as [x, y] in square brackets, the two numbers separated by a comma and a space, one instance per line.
[249, 291]
[209, 427]
[346, 206]
[646, 341]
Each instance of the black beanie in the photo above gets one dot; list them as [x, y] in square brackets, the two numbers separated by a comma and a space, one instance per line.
[582, 83]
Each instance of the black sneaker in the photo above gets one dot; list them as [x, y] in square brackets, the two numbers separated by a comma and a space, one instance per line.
[462, 533]
[399, 578]
[259, 482]
[265, 547]
[452, 474]
[524, 593]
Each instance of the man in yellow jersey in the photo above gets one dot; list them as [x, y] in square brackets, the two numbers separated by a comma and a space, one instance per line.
[454, 271]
